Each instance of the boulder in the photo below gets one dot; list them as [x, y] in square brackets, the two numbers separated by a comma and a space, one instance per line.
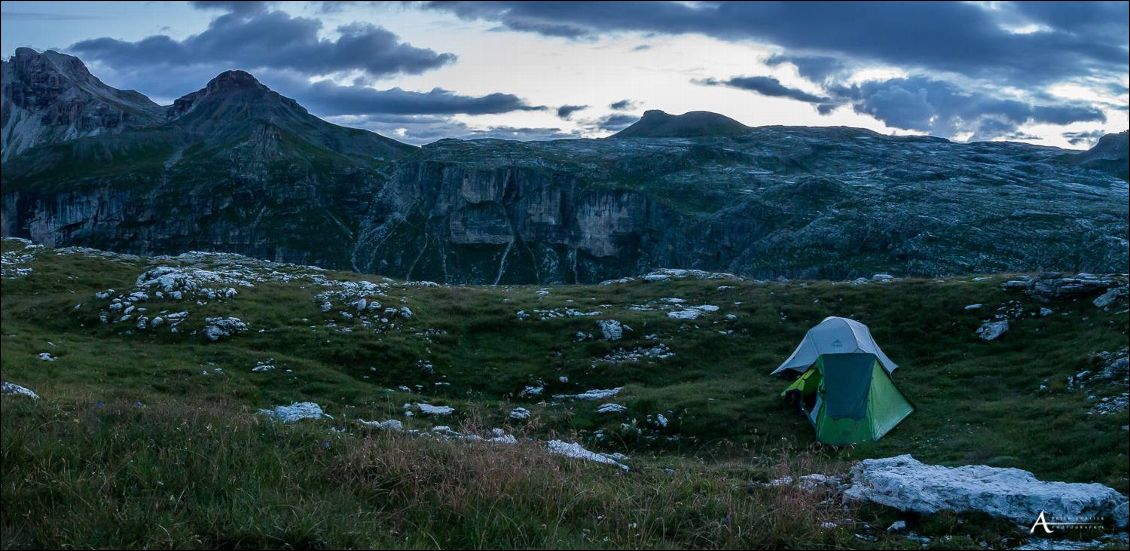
[612, 329]
[12, 389]
[992, 330]
[1109, 297]
[906, 484]
[295, 412]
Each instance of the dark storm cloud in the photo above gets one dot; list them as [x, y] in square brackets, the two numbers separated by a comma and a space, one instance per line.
[424, 129]
[232, 6]
[1083, 38]
[328, 98]
[1085, 138]
[924, 104]
[622, 105]
[943, 109]
[565, 111]
[814, 68]
[766, 86]
[254, 39]
[615, 122]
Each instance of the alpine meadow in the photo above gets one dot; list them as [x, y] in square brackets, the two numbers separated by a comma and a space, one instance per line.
[580, 275]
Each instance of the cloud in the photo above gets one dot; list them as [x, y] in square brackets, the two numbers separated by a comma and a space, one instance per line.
[943, 109]
[1087, 138]
[332, 99]
[614, 122]
[565, 111]
[766, 86]
[255, 39]
[622, 105]
[977, 40]
[231, 6]
[925, 104]
[814, 68]
[424, 129]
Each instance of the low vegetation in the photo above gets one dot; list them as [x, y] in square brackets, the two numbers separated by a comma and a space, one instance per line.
[147, 437]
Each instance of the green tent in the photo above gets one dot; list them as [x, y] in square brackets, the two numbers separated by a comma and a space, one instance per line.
[849, 397]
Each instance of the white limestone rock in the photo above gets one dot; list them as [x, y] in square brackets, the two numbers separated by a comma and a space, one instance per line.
[992, 330]
[904, 483]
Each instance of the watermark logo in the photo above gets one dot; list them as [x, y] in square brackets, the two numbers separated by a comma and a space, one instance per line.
[1043, 522]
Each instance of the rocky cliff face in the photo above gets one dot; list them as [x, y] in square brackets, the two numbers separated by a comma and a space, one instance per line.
[51, 98]
[237, 167]
[777, 202]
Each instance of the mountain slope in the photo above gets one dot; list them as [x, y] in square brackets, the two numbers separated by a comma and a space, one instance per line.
[1111, 155]
[228, 110]
[237, 167]
[52, 98]
[658, 124]
[233, 166]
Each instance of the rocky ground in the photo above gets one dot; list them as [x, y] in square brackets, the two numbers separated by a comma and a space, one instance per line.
[659, 377]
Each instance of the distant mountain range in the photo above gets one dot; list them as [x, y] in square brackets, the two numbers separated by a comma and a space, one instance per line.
[237, 167]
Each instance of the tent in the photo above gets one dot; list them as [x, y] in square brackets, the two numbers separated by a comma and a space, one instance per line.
[845, 387]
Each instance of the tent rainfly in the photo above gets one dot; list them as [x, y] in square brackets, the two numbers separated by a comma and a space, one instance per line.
[845, 387]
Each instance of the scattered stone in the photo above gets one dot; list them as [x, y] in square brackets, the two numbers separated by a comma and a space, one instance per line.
[1054, 285]
[882, 278]
[218, 328]
[428, 409]
[809, 481]
[992, 330]
[295, 412]
[611, 329]
[1045, 312]
[1109, 297]
[264, 366]
[611, 408]
[693, 312]
[974, 306]
[519, 414]
[620, 355]
[391, 424]
[12, 389]
[531, 391]
[46, 356]
[897, 526]
[906, 484]
[576, 451]
[592, 394]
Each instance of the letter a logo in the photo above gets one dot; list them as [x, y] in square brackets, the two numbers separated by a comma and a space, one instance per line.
[1040, 520]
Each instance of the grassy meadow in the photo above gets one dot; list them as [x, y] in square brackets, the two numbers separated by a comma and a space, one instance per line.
[150, 438]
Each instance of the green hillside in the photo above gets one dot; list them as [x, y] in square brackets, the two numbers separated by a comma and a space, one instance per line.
[150, 437]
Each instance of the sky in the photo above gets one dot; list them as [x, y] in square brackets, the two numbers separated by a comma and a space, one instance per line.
[1048, 73]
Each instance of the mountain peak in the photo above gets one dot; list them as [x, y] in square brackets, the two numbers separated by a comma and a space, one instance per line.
[51, 97]
[233, 80]
[1111, 155]
[660, 124]
[231, 88]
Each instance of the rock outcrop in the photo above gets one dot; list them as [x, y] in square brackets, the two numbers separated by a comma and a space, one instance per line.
[236, 167]
[908, 485]
[658, 124]
[48, 98]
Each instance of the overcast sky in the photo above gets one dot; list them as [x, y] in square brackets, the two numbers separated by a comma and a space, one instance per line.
[1047, 73]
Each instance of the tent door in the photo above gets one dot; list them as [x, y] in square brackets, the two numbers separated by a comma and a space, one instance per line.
[815, 409]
